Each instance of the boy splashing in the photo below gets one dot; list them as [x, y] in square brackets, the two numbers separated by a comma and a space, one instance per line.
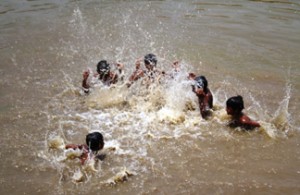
[234, 107]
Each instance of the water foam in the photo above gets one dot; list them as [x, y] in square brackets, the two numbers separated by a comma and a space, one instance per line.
[134, 119]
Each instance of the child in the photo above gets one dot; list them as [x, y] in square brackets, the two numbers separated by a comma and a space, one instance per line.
[234, 107]
[152, 73]
[94, 143]
[106, 76]
[204, 95]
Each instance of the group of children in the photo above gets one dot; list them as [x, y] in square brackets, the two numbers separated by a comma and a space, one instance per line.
[234, 105]
[104, 75]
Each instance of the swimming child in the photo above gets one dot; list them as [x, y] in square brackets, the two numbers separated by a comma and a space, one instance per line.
[94, 143]
[151, 73]
[205, 98]
[104, 74]
[234, 107]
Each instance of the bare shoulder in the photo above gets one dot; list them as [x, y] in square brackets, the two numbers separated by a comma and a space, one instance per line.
[245, 120]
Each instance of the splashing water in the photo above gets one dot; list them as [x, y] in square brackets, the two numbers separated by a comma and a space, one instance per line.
[132, 118]
[281, 117]
[135, 120]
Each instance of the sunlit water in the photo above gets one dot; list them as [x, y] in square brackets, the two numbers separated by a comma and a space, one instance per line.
[155, 139]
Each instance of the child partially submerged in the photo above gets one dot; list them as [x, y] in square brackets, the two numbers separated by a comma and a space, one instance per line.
[94, 143]
[104, 74]
[205, 98]
[151, 74]
[234, 107]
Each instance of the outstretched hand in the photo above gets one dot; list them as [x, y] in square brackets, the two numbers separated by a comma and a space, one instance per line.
[176, 66]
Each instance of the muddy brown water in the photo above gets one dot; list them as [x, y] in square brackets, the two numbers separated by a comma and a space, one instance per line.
[249, 48]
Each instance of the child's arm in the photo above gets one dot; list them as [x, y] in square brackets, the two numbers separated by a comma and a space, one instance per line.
[113, 78]
[85, 84]
[85, 153]
[84, 157]
[72, 146]
[136, 75]
[210, 99]
[246, 121]
[120, 68]
[76, 146]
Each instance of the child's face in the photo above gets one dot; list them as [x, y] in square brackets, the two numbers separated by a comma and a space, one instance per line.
[229, 110]
[149, 66]
[199, 91]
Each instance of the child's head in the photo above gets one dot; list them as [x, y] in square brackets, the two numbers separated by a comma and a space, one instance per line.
[234, 105]
[150, 61]
[103, 67]
[201, 82]
[94, 141]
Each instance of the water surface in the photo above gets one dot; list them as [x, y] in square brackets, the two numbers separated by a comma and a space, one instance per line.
[249, 48]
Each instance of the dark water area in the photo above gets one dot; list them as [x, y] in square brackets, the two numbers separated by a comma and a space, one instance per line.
[250, 48]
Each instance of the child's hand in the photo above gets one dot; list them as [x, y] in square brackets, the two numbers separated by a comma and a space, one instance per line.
[86, 74]
[176, 66]
[138, 63]
[191, 76]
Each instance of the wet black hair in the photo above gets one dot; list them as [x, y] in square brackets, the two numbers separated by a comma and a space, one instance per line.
[103, 64]
[201, 82]
[150, 59]
[236, 103]
[94, 141]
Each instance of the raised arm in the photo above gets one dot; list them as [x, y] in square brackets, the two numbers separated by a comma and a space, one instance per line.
[176, 67]
[83, 147]
[137, 74]
[120, 68]
[85, 84]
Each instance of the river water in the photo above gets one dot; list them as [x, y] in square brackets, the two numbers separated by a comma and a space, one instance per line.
[250, 48]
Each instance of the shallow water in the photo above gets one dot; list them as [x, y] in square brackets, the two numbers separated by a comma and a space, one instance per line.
[249, 48]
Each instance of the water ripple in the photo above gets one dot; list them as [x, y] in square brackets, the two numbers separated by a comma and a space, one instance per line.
[39, 7]
[276, 1]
